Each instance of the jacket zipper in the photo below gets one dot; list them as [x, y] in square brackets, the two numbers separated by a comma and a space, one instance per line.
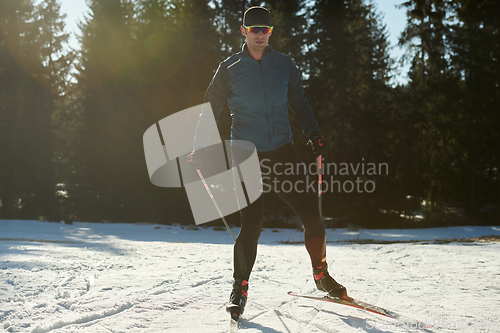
[265, 100]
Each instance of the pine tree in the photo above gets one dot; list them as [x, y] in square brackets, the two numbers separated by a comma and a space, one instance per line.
[13, 15]
[177, 50]
[349, 70]
[106, 165]
[54, 73]
[140, 62]
[435, 93]
[228, 22]
[475, 58]
[290, 24]
[32, 41]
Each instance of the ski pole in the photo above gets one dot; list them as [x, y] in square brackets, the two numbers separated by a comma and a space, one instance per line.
[215, 203]
[320, 204]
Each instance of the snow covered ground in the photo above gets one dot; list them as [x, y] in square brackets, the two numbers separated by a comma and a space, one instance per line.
[90, 277]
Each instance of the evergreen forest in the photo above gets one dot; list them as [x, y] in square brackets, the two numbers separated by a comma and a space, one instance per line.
[72, 120]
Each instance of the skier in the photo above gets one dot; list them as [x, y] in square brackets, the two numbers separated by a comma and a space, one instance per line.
[259, 85]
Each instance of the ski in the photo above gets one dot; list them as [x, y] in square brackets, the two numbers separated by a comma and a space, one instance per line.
[233, 327]
[349, 301]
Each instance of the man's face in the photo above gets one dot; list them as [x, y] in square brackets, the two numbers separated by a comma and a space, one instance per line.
[257, 42]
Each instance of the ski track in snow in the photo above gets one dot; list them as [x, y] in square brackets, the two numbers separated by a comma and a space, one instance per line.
[135, 278]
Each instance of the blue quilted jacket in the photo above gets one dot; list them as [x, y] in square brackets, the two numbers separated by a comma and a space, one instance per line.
[259, 94]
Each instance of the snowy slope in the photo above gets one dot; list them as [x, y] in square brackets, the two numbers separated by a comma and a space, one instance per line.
[145, 278]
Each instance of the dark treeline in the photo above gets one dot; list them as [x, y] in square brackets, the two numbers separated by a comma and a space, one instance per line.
[71, 122]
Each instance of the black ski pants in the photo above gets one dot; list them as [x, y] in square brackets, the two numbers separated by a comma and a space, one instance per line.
[284, 173]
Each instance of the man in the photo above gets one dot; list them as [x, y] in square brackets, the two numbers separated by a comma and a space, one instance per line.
[259, 85]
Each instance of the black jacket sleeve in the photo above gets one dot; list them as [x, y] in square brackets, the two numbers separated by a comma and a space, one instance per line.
[298, 102]
[217, 94]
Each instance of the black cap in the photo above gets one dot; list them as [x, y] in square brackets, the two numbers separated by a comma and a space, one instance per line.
[257, 16]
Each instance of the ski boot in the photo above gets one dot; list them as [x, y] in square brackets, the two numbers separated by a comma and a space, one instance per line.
[325, 282]
[238, 298]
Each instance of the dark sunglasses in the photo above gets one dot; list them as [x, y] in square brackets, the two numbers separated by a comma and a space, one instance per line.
[255, 29]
